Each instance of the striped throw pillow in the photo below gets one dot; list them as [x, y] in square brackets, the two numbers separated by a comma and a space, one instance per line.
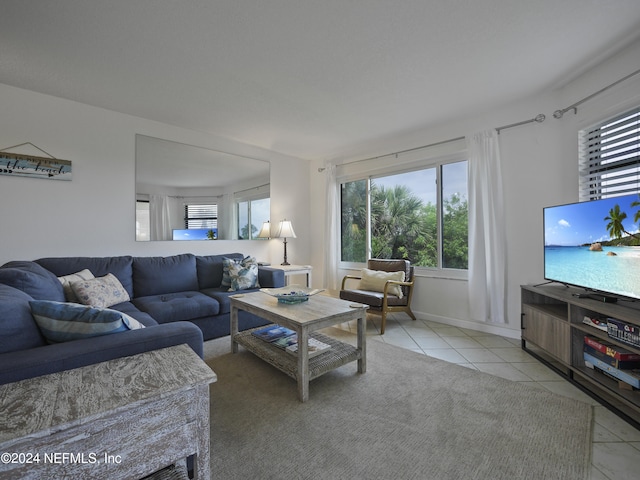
[63, 322]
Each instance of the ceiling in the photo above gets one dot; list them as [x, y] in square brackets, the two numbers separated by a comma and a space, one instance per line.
[308, 78]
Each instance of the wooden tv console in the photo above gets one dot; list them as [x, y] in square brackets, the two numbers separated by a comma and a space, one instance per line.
[553, 331]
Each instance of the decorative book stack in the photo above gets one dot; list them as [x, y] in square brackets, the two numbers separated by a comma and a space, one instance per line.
[614, 361]
[287, 340]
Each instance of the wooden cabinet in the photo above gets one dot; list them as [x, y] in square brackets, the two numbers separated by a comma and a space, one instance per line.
[553, 331]
[548, 327]
[124, 418]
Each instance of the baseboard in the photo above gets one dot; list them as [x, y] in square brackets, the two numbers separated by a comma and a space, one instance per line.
[470, 325]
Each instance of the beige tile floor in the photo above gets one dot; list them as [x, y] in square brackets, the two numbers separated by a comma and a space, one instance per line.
[616, 444]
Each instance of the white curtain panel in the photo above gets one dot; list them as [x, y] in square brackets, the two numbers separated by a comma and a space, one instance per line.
[331, 229]
[160, 217]
[487, 237]
[227, 222]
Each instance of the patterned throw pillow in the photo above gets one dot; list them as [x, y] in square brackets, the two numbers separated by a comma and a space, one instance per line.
[229, 263]
[66, 281]
[226, 279]
[244, 275]
[100, 292]
[63, 322]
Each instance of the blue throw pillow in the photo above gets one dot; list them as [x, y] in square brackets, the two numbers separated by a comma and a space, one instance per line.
[63, 322]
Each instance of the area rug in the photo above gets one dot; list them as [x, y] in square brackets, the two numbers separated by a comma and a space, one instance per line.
[408, 417]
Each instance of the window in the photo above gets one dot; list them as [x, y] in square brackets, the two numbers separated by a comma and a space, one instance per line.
[610, 157]
[405, 215]
[201, 216]
[251, 215]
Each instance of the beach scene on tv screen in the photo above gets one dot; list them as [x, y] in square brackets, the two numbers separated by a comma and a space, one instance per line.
[595, 244]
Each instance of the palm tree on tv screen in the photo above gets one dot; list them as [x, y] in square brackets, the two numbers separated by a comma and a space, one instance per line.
[615, 218]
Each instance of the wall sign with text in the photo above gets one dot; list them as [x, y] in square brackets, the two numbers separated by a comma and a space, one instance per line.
[20, 165]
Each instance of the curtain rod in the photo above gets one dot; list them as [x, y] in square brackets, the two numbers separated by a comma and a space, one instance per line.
[538, 119]
[322, 169]
[193, 196]
[219, 196]
[559, 113]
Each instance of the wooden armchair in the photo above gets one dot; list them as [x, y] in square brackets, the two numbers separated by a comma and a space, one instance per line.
[380, 290]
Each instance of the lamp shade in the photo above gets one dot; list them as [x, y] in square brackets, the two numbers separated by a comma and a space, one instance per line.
[265, 231]
[285, 230]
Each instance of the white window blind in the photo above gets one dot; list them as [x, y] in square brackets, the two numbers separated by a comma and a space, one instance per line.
[610, 157]
[201, 216]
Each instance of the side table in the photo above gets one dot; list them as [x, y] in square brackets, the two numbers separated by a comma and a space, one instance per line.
[296, 270]
[125, 418]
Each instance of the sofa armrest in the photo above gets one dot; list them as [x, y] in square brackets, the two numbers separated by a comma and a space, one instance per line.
[15, 366]
[270, 277]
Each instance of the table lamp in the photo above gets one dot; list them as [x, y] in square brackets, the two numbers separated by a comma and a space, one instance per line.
[265, 231]
[285, 230]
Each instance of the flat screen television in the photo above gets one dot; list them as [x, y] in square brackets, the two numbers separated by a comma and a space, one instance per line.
[595, 245]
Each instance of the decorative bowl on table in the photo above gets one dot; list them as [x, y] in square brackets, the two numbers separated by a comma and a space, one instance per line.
[291, 294]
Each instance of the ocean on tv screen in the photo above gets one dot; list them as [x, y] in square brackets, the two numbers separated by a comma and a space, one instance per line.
[595, 245]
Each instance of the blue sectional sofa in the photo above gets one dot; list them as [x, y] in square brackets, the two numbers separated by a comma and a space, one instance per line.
[179, 299]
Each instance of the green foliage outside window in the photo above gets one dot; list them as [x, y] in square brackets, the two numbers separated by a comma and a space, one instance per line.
[403, 226]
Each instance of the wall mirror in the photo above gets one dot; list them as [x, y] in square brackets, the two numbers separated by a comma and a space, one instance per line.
[186, 192]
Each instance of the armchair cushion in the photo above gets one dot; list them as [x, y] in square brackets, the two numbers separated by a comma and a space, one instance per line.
[373, 299]
[375, 280]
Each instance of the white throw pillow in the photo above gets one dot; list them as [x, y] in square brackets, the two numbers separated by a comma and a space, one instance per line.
[375, 281]
[101, 292]
[66, 281]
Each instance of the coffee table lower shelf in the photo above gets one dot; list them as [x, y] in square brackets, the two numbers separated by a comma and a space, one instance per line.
[339, 354]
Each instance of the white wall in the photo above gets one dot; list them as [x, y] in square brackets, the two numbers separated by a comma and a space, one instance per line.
[94, 214]
[540, 168]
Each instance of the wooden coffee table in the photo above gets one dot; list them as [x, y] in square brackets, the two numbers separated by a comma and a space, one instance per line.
[320, 311]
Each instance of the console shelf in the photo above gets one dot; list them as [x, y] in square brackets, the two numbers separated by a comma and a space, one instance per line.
[553, 331]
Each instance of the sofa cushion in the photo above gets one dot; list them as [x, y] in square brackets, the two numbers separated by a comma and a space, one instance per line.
[120, 266]
[161, 275]
[221, 295]
[64, 322]
[66, 281]
[133, 311]
[58, 357]
[32, 279]
[173, 307]
[101, 292]
[210, 269]
[18, 330]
